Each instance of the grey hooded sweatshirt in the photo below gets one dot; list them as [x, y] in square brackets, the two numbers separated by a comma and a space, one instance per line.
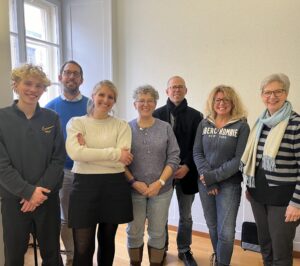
[217, 151]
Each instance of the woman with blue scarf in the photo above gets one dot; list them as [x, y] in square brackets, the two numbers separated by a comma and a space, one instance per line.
[271, 167]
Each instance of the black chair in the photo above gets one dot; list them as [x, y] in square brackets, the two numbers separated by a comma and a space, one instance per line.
[34, 244]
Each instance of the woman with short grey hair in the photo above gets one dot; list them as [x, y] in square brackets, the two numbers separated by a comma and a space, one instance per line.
[156, 157]
[270, 166]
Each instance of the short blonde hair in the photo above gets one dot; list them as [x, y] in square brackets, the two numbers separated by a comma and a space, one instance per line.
[97, 87]
[237, 112]
[29, 70]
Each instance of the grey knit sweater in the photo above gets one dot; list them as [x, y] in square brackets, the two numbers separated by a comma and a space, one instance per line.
[153, 148]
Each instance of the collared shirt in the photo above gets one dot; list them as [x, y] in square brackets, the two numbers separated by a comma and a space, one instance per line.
[76, 99]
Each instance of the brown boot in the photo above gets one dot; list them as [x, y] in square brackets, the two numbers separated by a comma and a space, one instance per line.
[136, 256]
[156, 256]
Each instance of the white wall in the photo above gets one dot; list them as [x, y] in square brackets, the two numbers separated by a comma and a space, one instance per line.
[6, 92]
[208, 43]
[87, 39]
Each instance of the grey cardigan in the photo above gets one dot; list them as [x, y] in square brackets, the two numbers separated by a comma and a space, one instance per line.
[153, 148]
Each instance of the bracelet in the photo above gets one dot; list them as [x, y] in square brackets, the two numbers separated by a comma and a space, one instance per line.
[162, 182]
[131, 181]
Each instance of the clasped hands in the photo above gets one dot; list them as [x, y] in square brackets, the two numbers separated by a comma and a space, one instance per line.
[213, 191]
[147, 191]
[38, 197]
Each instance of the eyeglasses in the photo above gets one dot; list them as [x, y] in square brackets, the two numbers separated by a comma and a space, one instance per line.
[68, 73]
[143, 102]
[224, 100]
[175, 87]
[276, 93]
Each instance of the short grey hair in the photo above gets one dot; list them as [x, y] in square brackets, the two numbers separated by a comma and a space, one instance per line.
[145, 89]
[279, 77]
[97, 87]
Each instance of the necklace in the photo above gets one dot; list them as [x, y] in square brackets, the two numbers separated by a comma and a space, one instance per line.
[145, 124]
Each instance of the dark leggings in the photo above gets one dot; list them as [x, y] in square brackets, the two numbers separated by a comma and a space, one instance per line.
[84, 245]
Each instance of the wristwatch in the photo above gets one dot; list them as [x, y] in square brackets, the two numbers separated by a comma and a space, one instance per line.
[131, 181]
[162, 182]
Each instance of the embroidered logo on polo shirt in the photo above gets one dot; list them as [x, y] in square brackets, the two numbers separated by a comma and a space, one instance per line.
[47, 130]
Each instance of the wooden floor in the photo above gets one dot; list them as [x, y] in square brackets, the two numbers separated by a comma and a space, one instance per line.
[201, 248]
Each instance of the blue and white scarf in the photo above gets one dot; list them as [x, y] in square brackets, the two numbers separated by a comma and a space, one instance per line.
[278, 123]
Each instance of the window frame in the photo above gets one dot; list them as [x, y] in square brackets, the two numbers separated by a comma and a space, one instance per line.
[18, 31]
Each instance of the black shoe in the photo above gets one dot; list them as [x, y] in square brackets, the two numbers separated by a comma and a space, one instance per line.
[187, 258]
[164, 258]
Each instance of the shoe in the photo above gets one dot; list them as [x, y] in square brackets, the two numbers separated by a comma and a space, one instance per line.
[187, 258]
[213, 260]
[165, 254]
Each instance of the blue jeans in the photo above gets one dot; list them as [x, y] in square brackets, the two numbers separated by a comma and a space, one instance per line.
[185, 226]
[156, 210]
[220, 213]
[64, 195]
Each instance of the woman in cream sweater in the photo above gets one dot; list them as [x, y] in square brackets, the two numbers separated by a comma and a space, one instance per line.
[99, 145]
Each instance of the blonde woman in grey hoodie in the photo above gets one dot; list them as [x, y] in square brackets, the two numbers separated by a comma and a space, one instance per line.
[219, 144]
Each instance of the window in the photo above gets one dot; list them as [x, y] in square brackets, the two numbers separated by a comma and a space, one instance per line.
[34, 36]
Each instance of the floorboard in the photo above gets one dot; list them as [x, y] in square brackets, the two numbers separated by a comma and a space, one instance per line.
[201, 248]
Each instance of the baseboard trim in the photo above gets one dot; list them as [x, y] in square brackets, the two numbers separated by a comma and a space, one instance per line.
[237, 242]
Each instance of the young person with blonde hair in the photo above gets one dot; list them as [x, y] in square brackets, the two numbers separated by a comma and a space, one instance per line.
[32, 157]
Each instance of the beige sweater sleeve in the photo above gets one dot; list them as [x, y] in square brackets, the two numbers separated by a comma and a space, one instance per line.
[87, 153]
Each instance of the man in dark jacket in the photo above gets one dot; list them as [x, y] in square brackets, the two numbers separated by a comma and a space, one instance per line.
[185, 121]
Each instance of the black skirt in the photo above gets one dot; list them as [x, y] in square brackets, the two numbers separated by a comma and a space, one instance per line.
[100, 198]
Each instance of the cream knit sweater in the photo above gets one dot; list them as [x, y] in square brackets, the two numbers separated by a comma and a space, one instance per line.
[104, 140]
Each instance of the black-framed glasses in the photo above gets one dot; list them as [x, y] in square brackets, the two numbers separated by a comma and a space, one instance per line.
[69, 73]
[224, 100]
[277, 93]
[175, 87]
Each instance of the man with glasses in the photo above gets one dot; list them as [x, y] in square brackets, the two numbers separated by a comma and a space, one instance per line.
[184, 121]
[69, 104]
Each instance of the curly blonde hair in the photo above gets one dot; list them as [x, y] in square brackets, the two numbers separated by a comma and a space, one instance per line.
[29, 70]
[237, 112]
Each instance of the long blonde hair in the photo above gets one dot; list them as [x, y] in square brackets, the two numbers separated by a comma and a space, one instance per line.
[237, 112]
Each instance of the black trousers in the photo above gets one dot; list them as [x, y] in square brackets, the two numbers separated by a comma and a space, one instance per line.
[18, 225]
[275, 236]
